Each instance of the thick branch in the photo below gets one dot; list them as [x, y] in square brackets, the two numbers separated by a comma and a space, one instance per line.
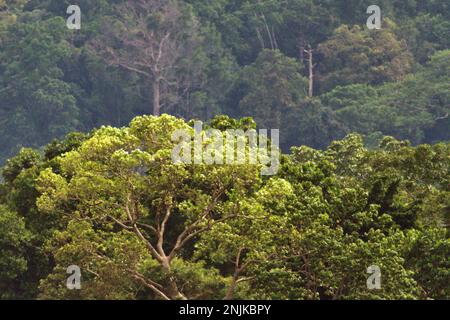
[151, 285]
[162, 230]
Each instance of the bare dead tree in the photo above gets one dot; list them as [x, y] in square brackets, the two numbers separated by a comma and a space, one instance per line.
[270, 31]
[311, 67]
[149, 42]
[258, 34]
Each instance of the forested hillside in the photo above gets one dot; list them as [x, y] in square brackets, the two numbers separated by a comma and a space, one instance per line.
[234, 57]
[88, 179]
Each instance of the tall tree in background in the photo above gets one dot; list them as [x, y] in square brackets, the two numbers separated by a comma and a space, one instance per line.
[149, 38]
[311, 67]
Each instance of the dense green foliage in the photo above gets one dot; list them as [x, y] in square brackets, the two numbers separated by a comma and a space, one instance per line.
[141, 227]
[86, 118]
[234, 57]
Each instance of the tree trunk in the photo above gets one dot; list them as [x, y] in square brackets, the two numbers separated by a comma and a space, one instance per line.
[172, 289]
[311, 72]
[232, 288]
[157, 97]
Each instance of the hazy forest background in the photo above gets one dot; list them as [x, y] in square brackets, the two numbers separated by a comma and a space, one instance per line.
[239, 58]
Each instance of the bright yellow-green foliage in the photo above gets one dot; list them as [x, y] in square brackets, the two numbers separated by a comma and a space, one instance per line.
[141, 227]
